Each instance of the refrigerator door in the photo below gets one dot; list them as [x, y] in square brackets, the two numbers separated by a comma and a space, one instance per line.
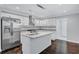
[9, 37]
[6, 35]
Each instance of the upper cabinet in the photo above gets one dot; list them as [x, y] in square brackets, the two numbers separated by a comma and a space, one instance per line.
[25, 21]
[45, 22]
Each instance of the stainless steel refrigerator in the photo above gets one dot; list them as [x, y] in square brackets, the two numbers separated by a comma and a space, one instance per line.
[9, 37]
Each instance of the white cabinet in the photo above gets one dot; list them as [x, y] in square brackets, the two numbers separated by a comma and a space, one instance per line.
[39, 44]
[26, 45]
[35, 45]
[45, 22]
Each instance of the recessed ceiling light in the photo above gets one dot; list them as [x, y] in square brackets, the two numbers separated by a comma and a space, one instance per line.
[59, 4]
[65, 11]
[17, 7]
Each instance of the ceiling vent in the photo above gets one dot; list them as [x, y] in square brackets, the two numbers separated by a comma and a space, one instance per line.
[40, 6]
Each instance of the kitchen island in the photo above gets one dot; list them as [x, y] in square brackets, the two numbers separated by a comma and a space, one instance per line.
[34, 43]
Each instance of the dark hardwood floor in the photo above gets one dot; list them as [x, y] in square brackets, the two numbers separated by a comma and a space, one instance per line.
[51, 49]
[72, 48]
[14, 50]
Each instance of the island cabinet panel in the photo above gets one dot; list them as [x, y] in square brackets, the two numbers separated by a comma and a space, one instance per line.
[26, 45]
[35, 45]
[40, 43]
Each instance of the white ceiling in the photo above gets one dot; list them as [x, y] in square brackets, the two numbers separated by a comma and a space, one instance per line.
[51, 10]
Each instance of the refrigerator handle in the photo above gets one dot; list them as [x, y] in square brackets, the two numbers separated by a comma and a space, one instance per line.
[11, 28]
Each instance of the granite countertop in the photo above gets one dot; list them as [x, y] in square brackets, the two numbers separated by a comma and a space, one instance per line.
[37, 34]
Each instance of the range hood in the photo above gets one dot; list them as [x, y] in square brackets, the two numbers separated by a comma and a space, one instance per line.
[31, 21]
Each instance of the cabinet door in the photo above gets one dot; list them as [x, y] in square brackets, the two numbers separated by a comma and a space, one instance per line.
[26, 46]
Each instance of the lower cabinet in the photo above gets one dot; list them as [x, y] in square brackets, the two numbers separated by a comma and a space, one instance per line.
[35, 45]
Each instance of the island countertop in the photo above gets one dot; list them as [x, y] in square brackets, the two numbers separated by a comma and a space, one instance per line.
[37, 34]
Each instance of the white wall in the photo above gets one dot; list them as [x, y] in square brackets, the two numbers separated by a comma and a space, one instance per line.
[61, 29]
[73, 28]
[68, 28]
[61, 26]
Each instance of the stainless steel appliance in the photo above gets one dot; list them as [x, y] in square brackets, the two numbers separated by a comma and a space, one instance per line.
[9, 37]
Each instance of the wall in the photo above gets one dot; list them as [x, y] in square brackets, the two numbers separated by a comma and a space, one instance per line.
[73, 28]
[67, 28]
[61, 29]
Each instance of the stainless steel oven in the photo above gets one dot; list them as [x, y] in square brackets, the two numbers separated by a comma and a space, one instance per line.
[9, 37]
